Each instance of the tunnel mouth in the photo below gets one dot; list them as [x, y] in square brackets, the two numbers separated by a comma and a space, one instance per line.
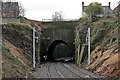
[52, 47]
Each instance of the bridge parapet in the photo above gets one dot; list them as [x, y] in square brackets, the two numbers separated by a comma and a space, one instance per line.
[51, 20]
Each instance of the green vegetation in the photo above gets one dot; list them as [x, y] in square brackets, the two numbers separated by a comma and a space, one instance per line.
[23, 29]
[104, 32]
[94, 9]
[78, 55]
[103, 28]
[98, 35]
[14, 62]
[77, 47]
[9, 55]
[20, 36]
[0, 58]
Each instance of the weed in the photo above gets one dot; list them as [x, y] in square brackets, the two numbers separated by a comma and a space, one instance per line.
[10, 56]
[18, 65]
[98, 35]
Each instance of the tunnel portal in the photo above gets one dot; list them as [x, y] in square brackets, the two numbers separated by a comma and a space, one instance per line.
[53, 45]
[56, 36]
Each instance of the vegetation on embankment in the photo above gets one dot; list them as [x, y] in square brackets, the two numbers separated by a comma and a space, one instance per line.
[0, 60]
[20, 35]
[16, 49]
[13, 66]
[104, 45]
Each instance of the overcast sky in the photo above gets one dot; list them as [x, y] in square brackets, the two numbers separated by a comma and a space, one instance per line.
[72, 9]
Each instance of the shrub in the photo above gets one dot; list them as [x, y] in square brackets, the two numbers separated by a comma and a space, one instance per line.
[98, 36]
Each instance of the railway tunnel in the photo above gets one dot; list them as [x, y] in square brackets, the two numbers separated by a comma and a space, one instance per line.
[56, 49]
[57, 40]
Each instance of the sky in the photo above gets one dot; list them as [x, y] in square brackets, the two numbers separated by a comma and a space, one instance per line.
[72, 9]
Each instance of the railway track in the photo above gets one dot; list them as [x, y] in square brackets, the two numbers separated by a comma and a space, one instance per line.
[48, 72]
[79, 73]
[53, 71]
[59, 72]
[65, 71]
[90, 74]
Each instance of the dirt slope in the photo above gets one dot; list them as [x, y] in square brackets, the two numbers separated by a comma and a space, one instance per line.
[15, 63]
[104, 46]
[17, 46]
[105, 63]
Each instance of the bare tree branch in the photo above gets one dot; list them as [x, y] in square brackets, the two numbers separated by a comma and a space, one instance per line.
[22, 10]
[57, 16]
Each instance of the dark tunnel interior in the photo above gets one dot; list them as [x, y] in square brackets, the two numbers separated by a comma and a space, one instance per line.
[52, 47]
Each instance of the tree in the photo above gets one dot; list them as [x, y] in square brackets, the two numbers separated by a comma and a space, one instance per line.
[22, 10]
[118, 2]
[118, 10]
[94, 9]
[57, 16]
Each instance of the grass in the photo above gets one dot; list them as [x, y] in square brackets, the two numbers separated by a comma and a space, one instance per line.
[98, 35]
[15, 61]
[103, 32]
[0, 58]
[0, 67]
[101, 28]
[20, 27]
[20, 35]
[17, 34]
[10, 55]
